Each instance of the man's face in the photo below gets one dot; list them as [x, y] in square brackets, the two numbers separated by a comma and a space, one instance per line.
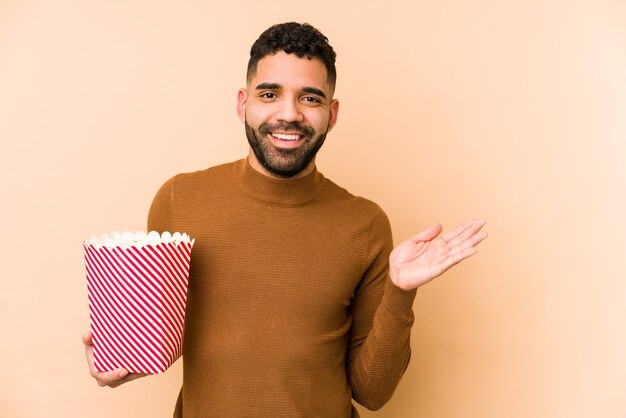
[287, 109]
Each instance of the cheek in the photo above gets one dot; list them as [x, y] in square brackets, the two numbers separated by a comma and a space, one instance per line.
[256, 115]
[319, 122]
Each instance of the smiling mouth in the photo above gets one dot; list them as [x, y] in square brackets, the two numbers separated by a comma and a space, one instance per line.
[287, 137]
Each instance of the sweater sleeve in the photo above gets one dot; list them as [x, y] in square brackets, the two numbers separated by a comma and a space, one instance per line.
[382, 317]
[161, 215]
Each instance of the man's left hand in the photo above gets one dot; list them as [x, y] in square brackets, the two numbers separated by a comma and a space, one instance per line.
[428, 254]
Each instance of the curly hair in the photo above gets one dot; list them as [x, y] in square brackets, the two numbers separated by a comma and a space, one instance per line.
[301, 39]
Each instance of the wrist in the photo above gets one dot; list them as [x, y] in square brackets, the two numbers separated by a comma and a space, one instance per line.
[398, 300]
[393, 277]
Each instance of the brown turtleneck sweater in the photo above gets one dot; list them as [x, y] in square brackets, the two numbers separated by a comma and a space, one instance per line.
[290, 310]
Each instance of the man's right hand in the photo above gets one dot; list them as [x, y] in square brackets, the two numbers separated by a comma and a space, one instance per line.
[111, 379]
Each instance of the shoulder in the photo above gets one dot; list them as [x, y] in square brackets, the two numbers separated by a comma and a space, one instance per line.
[201, 181]
[200, 177]
[359, 217]
[353, 205]
[189, 193]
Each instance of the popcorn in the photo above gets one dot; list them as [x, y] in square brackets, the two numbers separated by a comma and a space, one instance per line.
[137, 287]
[137, 239]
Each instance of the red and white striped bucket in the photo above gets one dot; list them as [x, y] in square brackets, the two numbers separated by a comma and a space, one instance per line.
[137, 299]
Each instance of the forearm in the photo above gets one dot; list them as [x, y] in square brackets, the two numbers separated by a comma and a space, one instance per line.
[381, 360]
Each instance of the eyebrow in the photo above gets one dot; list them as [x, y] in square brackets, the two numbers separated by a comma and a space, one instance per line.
[268, 86]
[314, 90]
[276, 86]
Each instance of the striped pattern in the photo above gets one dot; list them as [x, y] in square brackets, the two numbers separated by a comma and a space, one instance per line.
[137, 299]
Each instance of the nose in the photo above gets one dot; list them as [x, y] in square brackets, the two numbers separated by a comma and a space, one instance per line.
[289, 111]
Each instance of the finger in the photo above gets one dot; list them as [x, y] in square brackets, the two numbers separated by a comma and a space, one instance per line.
[427, 234]
[88, 342]
[457, 256]
[453, 233]
[478, 238]
[133, 376]
[472, 228]
[471, 232]
[129, 377]
[470, 241]
[111, 378]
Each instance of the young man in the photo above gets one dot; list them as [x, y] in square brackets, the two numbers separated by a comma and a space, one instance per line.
[296, 304]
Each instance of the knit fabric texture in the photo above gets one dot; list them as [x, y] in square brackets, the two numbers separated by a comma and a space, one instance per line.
[290, 310]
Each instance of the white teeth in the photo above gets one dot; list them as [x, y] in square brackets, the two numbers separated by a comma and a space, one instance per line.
[286, 137]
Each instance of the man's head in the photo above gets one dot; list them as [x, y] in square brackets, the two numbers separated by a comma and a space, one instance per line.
[288, 106]
[302, 40]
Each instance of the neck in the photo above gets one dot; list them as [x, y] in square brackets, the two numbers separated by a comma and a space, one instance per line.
[277, 191]
[256, 165]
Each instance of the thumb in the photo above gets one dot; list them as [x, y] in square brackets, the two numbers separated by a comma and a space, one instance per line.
[88, 339]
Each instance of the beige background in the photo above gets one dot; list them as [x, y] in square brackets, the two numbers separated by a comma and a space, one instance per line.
[510, 110]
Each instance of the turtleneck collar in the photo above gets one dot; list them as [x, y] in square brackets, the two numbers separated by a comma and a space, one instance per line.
[277, 191]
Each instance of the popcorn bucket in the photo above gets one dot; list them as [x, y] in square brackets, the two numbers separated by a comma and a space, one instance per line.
[137, 288]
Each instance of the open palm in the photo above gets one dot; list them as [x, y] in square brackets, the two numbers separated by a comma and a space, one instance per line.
[428, 254]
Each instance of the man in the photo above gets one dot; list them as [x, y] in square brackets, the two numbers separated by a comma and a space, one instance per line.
[296, 302]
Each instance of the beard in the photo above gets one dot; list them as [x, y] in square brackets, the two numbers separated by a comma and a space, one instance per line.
[281, 162]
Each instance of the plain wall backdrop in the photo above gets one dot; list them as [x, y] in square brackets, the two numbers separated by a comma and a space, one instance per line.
[514, 111]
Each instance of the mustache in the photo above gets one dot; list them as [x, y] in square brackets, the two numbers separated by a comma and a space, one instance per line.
[267, 128]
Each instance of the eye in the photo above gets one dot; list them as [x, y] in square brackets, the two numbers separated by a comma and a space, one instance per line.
[268, 95]
[311, 99]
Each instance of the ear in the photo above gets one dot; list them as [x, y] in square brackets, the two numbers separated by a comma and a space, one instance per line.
[242, 98]
[334, 110]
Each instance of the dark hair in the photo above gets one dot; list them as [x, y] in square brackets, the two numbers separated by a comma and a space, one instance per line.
[294, 38]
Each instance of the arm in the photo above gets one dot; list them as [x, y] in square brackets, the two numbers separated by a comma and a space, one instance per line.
[379, 348]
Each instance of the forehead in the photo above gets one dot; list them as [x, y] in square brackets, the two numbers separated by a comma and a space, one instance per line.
[291, 71]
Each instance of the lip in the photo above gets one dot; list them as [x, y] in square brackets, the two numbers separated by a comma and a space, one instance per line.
[285, 143]
[287, 133]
